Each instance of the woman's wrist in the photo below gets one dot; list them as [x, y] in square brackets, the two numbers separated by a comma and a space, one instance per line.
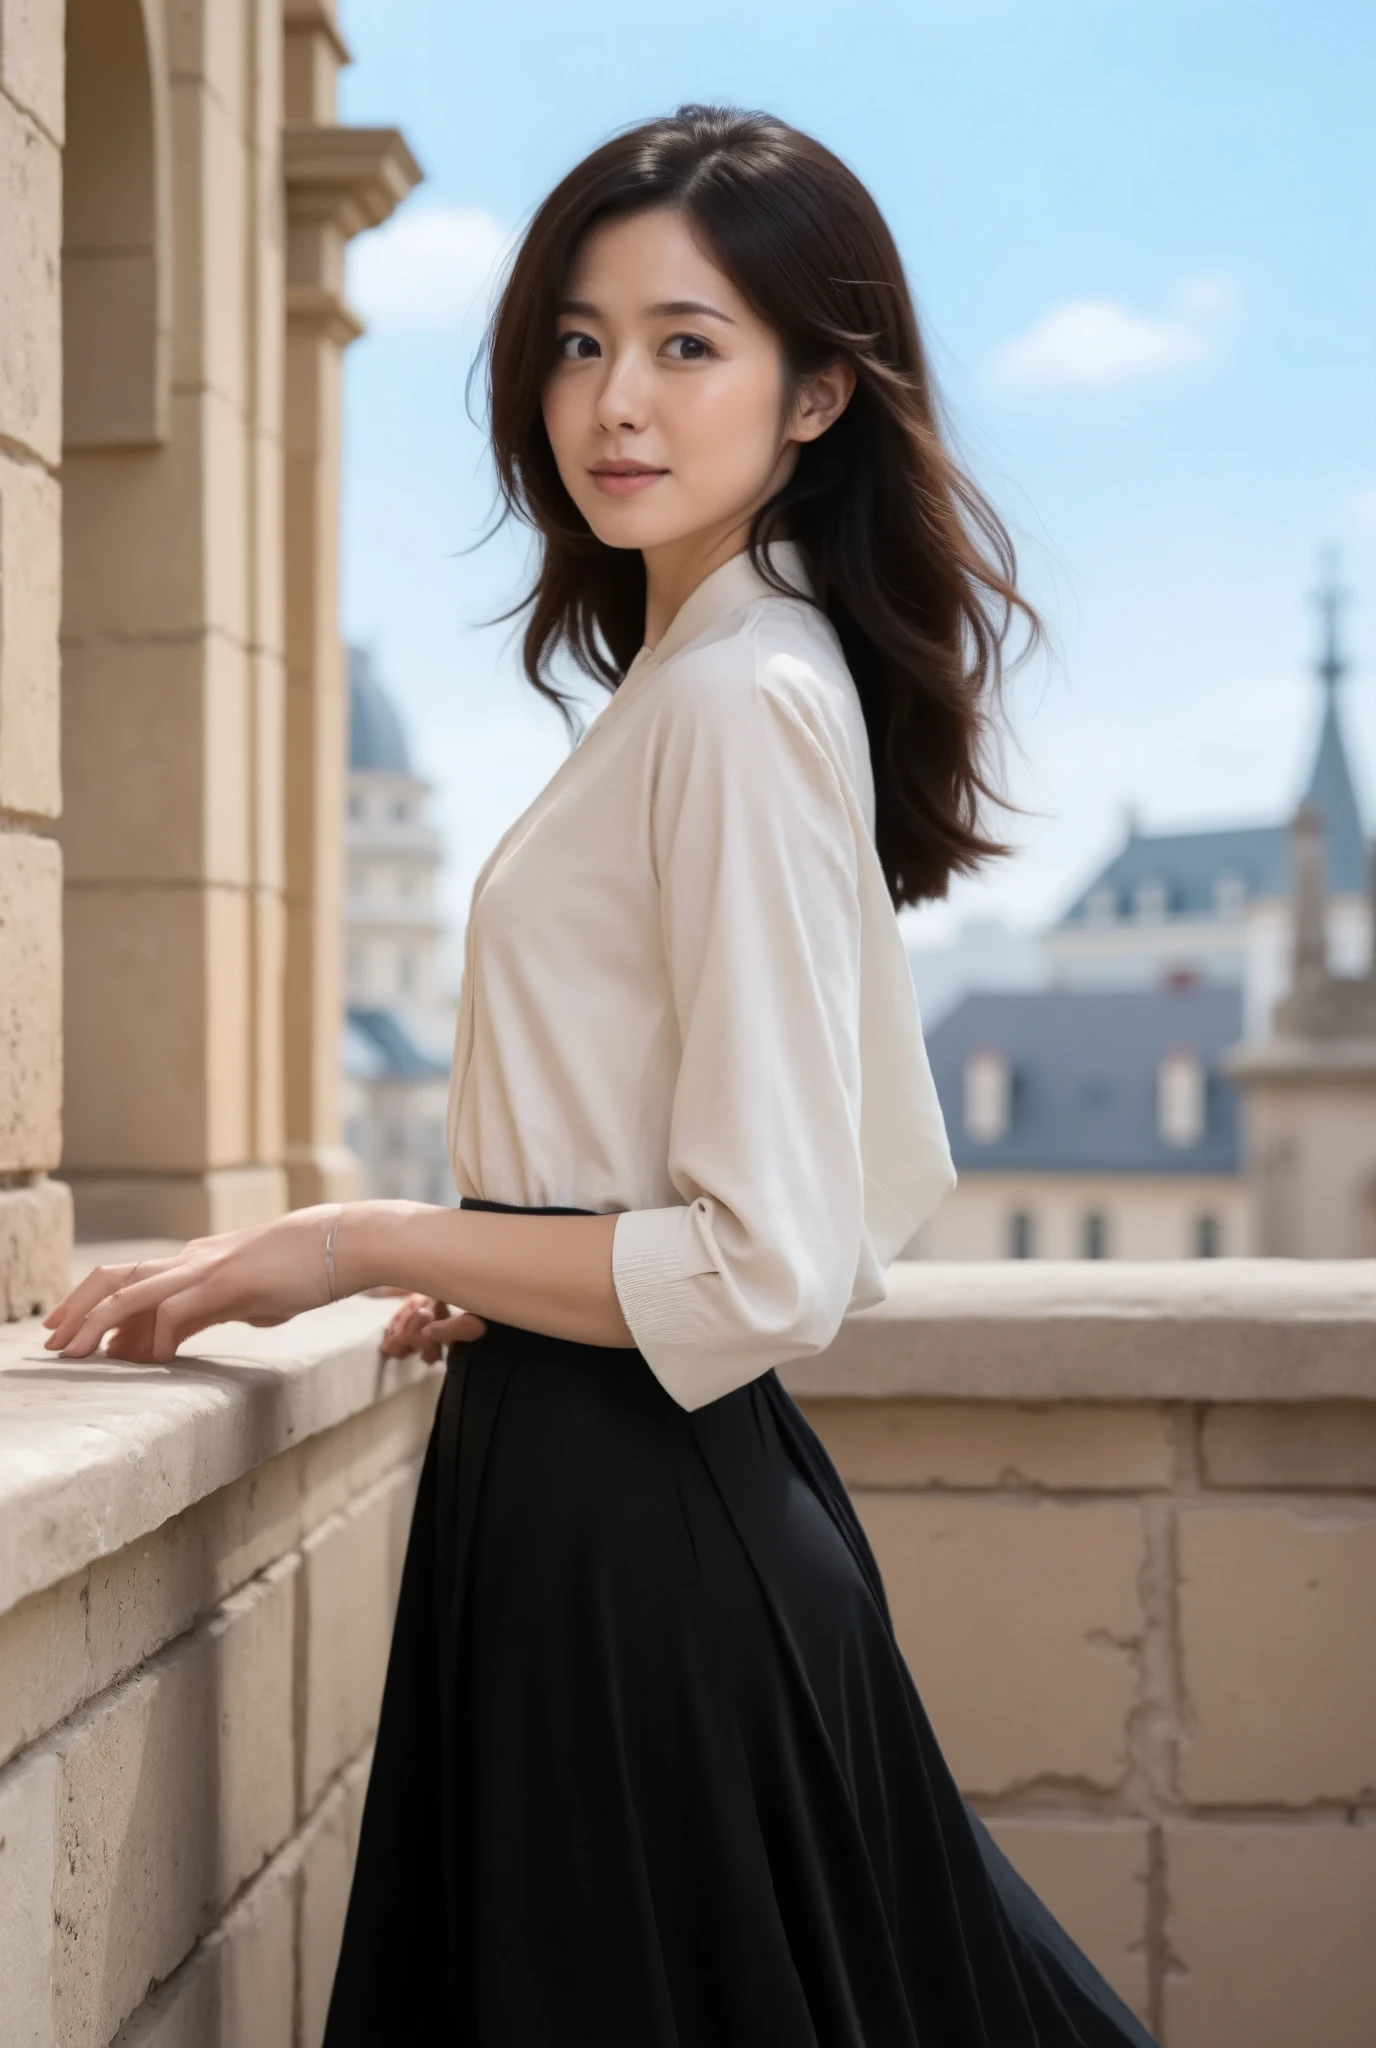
[368, 1244]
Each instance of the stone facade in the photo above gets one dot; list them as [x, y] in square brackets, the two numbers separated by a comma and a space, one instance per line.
[1127, 1524]
[177, 196]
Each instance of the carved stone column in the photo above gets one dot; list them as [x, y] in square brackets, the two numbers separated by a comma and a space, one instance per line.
[339, 181]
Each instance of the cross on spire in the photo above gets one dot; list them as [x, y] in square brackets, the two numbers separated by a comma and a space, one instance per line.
[1330, 597]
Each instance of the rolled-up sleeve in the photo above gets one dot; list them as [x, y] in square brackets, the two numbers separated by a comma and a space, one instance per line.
[756, 863]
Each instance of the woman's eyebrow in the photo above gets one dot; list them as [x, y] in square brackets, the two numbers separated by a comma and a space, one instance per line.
[662, 309]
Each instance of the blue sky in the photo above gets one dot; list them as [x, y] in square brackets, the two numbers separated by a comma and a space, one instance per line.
[1140, 234]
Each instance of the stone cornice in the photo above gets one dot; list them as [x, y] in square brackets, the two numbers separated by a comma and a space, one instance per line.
[347, 178]
[315, 17]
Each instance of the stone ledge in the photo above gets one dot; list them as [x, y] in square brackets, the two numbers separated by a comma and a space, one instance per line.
[94, 1454]
[1258, 1330]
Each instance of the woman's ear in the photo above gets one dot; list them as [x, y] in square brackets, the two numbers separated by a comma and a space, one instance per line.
[821, 400]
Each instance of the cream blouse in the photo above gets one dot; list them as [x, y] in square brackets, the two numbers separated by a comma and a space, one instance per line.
[686, 998]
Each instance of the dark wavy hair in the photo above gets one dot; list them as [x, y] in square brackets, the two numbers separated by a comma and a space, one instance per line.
[909, 561]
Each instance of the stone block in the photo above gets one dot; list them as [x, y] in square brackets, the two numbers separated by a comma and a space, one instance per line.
[211, 329]
[28, 1836]
[1021, 1625]
[351, 1568]
[42, 1662]
[155, 540]
[1270, 1930]
[343, 1462]
[174, 1788]
[156, 736]
[143, 1596]
[1277, 1613]
[1327, 1444]
[30, 606]
[30, 1003]
[30, 281]
[1093, 1877]
[986, 1444]
[327, 1862]
[35, 1246]
[237, 1987]
[31, 60]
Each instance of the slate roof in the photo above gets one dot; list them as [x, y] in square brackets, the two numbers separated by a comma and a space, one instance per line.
[1084, 1065]
[1190, 863]
[377, 739]
[383, 1049]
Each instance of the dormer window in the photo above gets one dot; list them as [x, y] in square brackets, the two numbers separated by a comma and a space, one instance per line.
[1101, 905]
[1151, 898]
[1180, 1098]
[988, 1095]
[1230, 892]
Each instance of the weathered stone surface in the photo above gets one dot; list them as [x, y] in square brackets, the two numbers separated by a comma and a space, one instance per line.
[954, 1444]
[31, 60]
[1278, 1611]
[996, 1601]
[42, 1662]
[35, 1247]
[1271, 1931]
[344, 1462]
[30, 604]
[1108, 1330]
[28, 1839]
[30, 281]
[327, 1861]
[1093, 1876]
[237, 1987]
[30, 1003]
[174, 1788]
[94, 1455]
[351, 1568]
[1331, 1444]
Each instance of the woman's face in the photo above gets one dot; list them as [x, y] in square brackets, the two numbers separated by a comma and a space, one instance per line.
[665, 406]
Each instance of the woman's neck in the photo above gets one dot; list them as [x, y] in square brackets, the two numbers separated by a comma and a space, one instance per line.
[674, 571]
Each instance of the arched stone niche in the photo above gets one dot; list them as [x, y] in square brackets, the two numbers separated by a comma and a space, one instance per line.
[116, 228]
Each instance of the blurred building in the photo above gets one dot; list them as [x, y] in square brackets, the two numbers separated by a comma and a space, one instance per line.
[1098, 1116]
[398, 1026]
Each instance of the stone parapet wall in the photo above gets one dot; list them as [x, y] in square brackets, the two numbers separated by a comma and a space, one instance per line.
[1131, 1558]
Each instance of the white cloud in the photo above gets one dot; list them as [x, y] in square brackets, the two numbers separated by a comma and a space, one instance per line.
[428, 267]
[1099, 342]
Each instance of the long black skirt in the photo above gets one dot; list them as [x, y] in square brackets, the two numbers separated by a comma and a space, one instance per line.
[651, 1771]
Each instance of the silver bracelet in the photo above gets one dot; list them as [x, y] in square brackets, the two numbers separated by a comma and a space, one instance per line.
[330, 1236]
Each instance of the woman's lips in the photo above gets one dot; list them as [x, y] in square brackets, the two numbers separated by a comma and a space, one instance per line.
[622, 483]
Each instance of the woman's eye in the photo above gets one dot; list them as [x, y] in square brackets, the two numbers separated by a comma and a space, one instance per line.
[694, 348]
[574, 347]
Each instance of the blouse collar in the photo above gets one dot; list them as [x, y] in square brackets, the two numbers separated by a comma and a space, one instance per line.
[729, 588]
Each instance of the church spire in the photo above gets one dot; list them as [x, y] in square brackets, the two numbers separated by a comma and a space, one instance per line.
[1331, 790]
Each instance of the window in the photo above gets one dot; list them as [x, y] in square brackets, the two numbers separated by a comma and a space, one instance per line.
[401, 810]
[988, 1093]
[355, 806]
[1094, 1234]
[1101, 905]
[1208, 1237]
[406, 972]
[1180, 1098]
[1230, 892]
[1021, 1236]
[355, 969]
[1150, 898]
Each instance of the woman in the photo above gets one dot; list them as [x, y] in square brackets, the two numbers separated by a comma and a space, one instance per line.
[650, 1767]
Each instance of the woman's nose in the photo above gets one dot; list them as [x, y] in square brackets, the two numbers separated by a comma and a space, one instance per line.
[623, 400]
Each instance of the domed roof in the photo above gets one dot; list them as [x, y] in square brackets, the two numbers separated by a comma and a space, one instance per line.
[377, 740]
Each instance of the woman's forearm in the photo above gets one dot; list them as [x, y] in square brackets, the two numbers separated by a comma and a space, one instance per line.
[552, 1274]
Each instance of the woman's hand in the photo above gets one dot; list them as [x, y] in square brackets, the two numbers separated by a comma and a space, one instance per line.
[263, 1275]
[420, 1323]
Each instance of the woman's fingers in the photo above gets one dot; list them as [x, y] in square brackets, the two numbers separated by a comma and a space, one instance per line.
[461, 1328]
[81, 1330]
[100, 1282]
